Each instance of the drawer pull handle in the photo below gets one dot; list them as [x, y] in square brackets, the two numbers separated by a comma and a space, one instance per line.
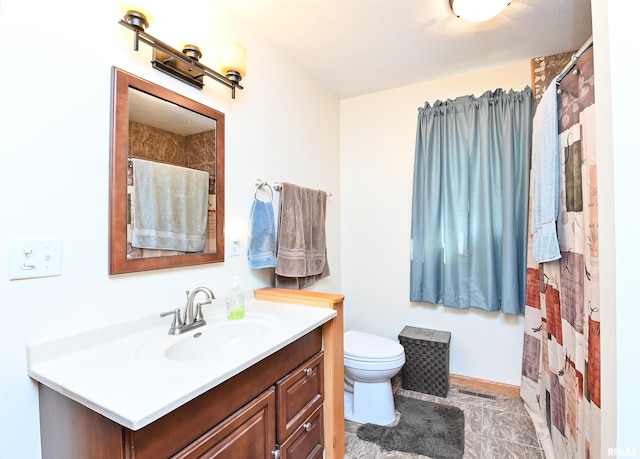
[308, 371]
[307, 427]
[275, 453]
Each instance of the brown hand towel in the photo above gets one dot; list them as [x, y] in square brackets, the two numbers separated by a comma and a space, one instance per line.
[302, 249]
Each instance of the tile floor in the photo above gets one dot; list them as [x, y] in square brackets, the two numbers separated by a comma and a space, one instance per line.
[499, 428]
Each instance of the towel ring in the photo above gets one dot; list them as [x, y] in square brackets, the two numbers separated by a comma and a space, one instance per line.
[259, 186]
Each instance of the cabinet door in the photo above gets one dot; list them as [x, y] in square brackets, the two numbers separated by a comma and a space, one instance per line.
[297, 395]
[247, 434]
[308, 441]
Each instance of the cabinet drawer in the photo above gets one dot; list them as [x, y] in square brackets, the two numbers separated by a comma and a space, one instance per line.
[248, 433]
[308, 441]
[297, 395]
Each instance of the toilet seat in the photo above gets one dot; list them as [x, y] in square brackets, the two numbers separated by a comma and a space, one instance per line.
[365, 347]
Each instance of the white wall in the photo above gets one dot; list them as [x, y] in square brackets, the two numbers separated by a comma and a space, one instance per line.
[626, 163]
[54, 163]
[377, 146]
[616, 36]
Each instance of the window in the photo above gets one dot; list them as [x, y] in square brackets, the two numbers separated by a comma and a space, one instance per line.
[470, 201]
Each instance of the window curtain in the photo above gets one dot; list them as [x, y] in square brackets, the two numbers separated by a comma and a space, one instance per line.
[470, 201]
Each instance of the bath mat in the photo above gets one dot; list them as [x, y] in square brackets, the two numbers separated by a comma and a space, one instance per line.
[424, 428]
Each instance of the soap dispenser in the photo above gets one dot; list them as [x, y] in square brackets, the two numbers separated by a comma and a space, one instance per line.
[235, 303]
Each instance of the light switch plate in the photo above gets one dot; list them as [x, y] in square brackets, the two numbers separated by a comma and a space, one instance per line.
[35, 257]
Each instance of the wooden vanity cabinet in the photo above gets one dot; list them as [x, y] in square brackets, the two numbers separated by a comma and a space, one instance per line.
[290, 411]
[307, 442]
[299, 399]
[248, 433]
[236, 419]
[332, 335]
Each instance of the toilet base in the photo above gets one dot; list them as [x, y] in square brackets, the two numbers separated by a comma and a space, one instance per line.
[370, 403]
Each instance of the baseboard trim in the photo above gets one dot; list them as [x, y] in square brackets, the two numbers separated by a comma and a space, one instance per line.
[483, 384]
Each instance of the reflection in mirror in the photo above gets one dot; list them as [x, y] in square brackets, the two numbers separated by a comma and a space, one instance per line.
[167, 179]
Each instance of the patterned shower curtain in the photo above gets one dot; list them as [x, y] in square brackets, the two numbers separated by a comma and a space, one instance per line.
[561, 361]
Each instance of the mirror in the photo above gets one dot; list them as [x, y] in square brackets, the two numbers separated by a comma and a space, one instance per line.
[152, 126]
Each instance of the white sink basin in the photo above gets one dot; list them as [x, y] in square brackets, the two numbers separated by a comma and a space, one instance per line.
[216, 338]
[111, 368]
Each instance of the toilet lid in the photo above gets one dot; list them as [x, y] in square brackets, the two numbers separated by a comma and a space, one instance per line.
[365, 346]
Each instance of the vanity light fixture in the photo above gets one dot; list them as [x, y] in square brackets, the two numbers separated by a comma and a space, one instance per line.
[185, 65]
[477, 10]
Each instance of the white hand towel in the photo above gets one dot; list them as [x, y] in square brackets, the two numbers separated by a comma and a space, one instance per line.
[171, 206]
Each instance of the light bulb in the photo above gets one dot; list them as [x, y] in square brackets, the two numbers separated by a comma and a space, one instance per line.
[233, 58]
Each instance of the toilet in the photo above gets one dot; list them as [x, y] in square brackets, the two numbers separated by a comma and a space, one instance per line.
[370, 361]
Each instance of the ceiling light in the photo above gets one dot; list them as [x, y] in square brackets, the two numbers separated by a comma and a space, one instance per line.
[477, 10]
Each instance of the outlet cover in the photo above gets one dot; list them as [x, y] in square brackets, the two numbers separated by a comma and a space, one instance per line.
[234, 249]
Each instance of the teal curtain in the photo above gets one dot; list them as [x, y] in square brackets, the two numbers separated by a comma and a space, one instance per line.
[471, 201]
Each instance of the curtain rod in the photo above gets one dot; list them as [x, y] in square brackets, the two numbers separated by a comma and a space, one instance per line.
[574, 59]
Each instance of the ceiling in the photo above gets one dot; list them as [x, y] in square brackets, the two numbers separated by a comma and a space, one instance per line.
[357, 47]
[162, 114]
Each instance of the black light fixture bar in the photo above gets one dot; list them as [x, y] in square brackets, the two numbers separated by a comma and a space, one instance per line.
[177, 64]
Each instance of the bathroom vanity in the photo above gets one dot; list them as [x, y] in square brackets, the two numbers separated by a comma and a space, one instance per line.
[274, 397]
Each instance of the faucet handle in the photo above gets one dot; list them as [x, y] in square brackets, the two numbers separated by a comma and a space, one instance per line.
[199, 316]
[177, 320]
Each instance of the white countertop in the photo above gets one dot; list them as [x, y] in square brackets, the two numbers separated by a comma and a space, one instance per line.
[101, 369]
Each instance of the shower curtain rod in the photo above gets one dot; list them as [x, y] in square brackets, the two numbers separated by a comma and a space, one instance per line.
[574, 59]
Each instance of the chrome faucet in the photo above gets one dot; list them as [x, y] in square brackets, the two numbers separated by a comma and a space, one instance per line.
[193, 317]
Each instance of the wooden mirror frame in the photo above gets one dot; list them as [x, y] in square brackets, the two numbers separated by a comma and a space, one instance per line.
[118, 261]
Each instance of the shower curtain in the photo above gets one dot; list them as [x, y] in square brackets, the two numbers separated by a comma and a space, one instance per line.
[561, 358]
